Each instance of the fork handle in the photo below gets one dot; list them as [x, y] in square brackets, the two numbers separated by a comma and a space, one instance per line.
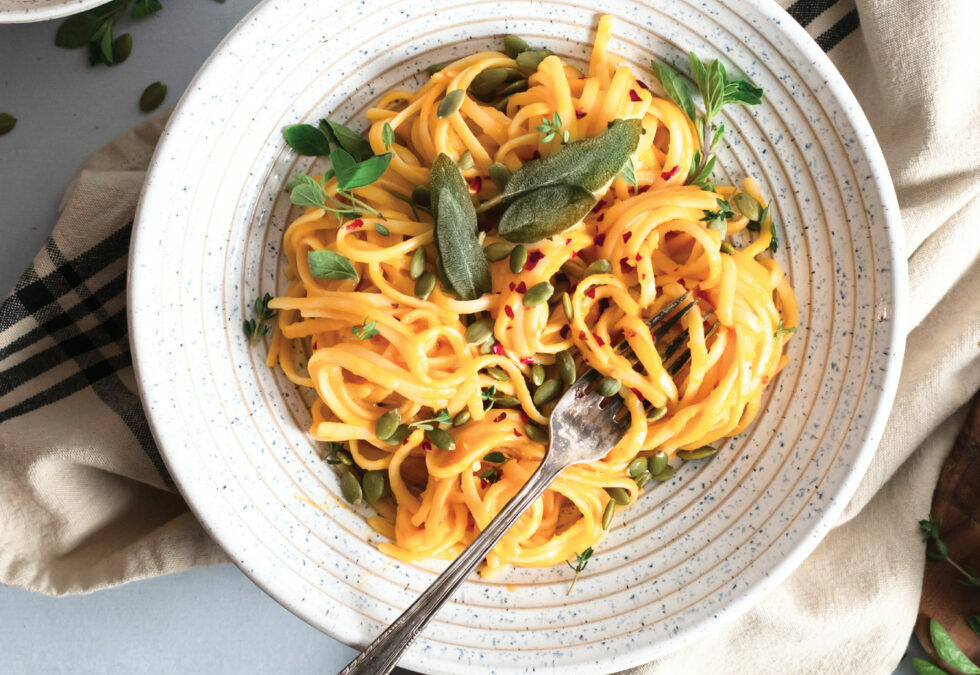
[382, 654]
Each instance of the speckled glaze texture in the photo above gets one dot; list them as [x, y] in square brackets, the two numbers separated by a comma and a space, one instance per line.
[26, 11]
[693, 552]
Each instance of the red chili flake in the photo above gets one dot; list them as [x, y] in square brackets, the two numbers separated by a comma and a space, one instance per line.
[599, 339]
[642, 85]
[644, 276]
[315, 343]
[517, 433]
[574, 254]
[653, 338]
[512, 285]
[568, 241]
[565, 330]
[637, 393]
[526, 360]
[522, 287]
[405, 442]
[484, 483]
[427, 446]
[497, 349]
[533, 258]
[524, 417]
[600, 218]
[510, 328]
[598, 207]
[639, 257]
[765, 379]
[643, 188]
[536, 155]
[354, 224]
[631, 334]
[579, 113]
[508, 311]
[590, 293]
[600, 239]
[500, 417]
[476, 183]
[581, 335]
[634, 96]
[667, 175]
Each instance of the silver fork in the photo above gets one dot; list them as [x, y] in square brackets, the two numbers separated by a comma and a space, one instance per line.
[584, 428]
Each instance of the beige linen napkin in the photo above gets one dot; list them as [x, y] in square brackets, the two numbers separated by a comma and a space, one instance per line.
[86, 503]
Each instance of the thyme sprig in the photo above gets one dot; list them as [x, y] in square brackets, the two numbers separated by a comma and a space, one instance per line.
[581, 560]
[930, 529]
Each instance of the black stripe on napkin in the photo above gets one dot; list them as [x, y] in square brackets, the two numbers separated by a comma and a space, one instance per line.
[831, 37]
[805, 11]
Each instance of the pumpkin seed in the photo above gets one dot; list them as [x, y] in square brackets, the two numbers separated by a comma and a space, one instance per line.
[501, 105]
[608, 513]
[401, 433]
[655, 413]
[440, 439]
[465, 161]
[700, 453]
[537, 374]
[374, 486]
[643, 479]
[506, 401]
[461, 418]
[350, 487]
[514, 45]
[528, 61]
[153, 96]
[345, 457]
[719, 225]
[727, 248]
[538, 294]
[637, 467]
[665, 475]
[478, 331]
[386, 425]
[659, 462]
[561, 286]
[498, 373]
[417, 266]
[566, 304]
[566, 367]
[609, 386]
[487, 345]
[7, 123]
[122, 46]
[545, 212]
[425, 285]
[536, 433]
[748, 206]
[421, 195]
[600, 266]
[518, 258]
[514, 88]
[484, 86]
[456, 237]
[548, 391]
[499, 174]
[618, 495]
[450, 104]
[436, 67]
[497, 250]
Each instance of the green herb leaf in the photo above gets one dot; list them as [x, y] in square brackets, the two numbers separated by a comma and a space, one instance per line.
[495, 457]
[629, 172]
[545, 212]
[783, 331]
[352, 174]
[306, 191]
[330, 265]
[7, 123]
[491, 475]
[702, 177]
[366, 330]
[105, 43]
[381, 229]
[740, 91]
[923, 667]
[143, 8]
[676, 89]
[774, 241]
[442, 416]
[307, 140]
[460, 255]
[590, 163]
[581, 560]
[948, 651]
[973, 622]
[357, 146]
[261, 308]
[723, 212]
[488, 395]
[551, 128]
[387, 136]
[76, 31]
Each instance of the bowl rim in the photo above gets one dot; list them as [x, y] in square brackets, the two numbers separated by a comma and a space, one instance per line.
[54, 11]
[809, 538]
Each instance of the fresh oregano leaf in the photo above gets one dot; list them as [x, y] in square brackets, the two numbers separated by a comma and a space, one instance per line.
[923, 667]
[948, 651]
[7, 123]
[460, 255]
[740, 91]
[387, 136]
[352, 174]
[143, 8]
[590, 163]
[307, 139]
[330, 265]
[357, 146]
[676, 89]
[76, 31]
[306, 191]
[545, 212]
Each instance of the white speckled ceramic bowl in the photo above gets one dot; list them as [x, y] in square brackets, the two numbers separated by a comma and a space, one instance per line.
[694, 551]
[26, 11]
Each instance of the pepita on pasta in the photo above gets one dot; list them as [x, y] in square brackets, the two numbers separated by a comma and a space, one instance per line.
[518, 257]
[478, 331]
[618, 495]
[350, 487]
[548, 391]
[538, 294]
[497, 251]
[608, 513]
[451, 103]
[386, 425]
[699, 453]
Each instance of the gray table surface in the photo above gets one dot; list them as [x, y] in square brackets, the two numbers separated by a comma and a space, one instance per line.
[205, 621]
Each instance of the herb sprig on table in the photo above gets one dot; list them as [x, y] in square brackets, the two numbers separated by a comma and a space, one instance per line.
[94, 29]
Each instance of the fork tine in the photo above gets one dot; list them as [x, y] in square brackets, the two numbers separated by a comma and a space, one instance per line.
[624, 347]
[681, 339]
[686, 354]
[672, 321]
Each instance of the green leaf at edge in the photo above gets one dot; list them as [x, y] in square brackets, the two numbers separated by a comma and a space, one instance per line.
[307, 140]
[330, 265]
[545, 212]
[923, 667]
[357, 146]
[352, 174]
[676, 89]
[75, 31]
[948, 651]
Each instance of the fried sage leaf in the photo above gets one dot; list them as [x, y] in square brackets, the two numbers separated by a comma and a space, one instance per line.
[460, 257]
[589, 163]
[545, 212]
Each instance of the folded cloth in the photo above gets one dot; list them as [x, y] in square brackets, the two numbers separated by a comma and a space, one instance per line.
[86, 503]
